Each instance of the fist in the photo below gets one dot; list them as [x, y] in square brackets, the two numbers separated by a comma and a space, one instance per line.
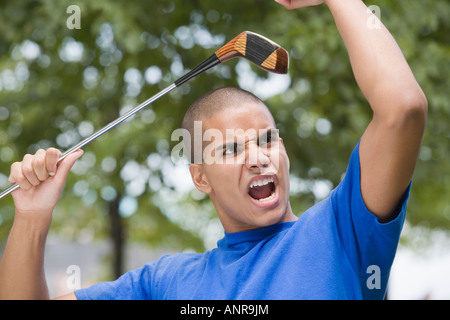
[34, 169]
[41, 179]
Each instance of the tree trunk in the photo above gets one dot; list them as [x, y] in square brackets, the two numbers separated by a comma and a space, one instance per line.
[117, 235]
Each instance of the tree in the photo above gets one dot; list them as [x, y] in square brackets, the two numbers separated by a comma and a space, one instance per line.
[59, 84]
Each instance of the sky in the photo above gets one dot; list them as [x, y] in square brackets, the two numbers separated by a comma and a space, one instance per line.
[421, 268]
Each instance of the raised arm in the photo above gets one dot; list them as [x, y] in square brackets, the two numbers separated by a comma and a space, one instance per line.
[390, 145]
[22, 264]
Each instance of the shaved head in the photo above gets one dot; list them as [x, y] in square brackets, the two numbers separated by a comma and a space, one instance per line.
[212, 103]
[237, 143]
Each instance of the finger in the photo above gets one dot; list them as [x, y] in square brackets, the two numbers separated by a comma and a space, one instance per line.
[17, 176]
[51, 160]
[12, 175]
[39, 166]
[67, 164]
[28, 170]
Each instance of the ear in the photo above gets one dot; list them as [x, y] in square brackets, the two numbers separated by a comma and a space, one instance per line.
[199, 178]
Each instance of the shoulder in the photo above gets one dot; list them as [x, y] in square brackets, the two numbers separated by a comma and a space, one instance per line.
[169, 265]
[178, 259]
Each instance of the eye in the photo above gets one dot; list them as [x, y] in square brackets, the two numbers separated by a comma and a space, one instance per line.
[232, 149]
[268, 137]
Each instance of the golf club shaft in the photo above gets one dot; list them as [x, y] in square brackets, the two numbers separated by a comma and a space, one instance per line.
[205, 65]
[102, 131]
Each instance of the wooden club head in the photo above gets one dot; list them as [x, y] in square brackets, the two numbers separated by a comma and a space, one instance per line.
[263, 52]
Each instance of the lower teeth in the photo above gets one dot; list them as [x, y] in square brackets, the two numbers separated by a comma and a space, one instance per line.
[268, 198]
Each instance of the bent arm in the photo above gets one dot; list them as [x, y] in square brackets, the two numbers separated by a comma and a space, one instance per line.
[390, 145]
[22, 264]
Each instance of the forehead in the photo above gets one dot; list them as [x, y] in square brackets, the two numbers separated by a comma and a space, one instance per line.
[249, 115]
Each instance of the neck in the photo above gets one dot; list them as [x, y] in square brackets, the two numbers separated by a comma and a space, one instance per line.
[231, 225]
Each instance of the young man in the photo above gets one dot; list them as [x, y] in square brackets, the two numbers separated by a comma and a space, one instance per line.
[341, 248]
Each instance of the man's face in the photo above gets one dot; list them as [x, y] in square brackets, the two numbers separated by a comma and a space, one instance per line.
[245, 168]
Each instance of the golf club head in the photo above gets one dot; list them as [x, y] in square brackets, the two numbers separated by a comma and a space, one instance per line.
[261, 51]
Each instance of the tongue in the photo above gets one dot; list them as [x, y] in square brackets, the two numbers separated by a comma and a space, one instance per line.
[261, 192]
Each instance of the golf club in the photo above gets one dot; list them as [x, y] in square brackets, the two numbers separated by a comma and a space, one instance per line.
[259, 50]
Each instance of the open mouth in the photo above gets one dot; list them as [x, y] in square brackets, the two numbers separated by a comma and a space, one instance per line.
[263, 190]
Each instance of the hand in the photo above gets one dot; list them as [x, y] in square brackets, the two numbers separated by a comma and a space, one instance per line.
[294, 4]
[41, 179]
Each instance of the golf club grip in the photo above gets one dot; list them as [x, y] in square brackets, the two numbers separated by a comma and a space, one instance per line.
[202, 67]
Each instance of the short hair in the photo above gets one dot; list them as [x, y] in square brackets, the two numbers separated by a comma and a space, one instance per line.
[212, 103]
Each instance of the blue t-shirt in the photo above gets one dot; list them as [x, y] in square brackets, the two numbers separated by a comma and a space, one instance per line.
[335, 250]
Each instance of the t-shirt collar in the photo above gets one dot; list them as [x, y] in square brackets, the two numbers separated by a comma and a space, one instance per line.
[253, 235]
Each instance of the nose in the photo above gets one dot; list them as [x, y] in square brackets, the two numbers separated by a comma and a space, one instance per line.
[256, 157]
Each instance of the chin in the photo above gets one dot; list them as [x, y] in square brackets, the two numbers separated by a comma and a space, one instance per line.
[275, 215]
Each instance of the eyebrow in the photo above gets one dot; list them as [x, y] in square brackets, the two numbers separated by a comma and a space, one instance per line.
[226, 144]
[262, 135]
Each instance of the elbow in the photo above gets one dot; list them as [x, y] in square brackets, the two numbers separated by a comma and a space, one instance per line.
[411, 109]
[416, 108]
[417, 103]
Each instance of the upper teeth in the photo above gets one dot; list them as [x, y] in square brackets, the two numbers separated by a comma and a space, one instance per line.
[261, 182]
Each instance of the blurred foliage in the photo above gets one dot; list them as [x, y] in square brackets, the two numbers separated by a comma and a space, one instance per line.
[59, 85]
